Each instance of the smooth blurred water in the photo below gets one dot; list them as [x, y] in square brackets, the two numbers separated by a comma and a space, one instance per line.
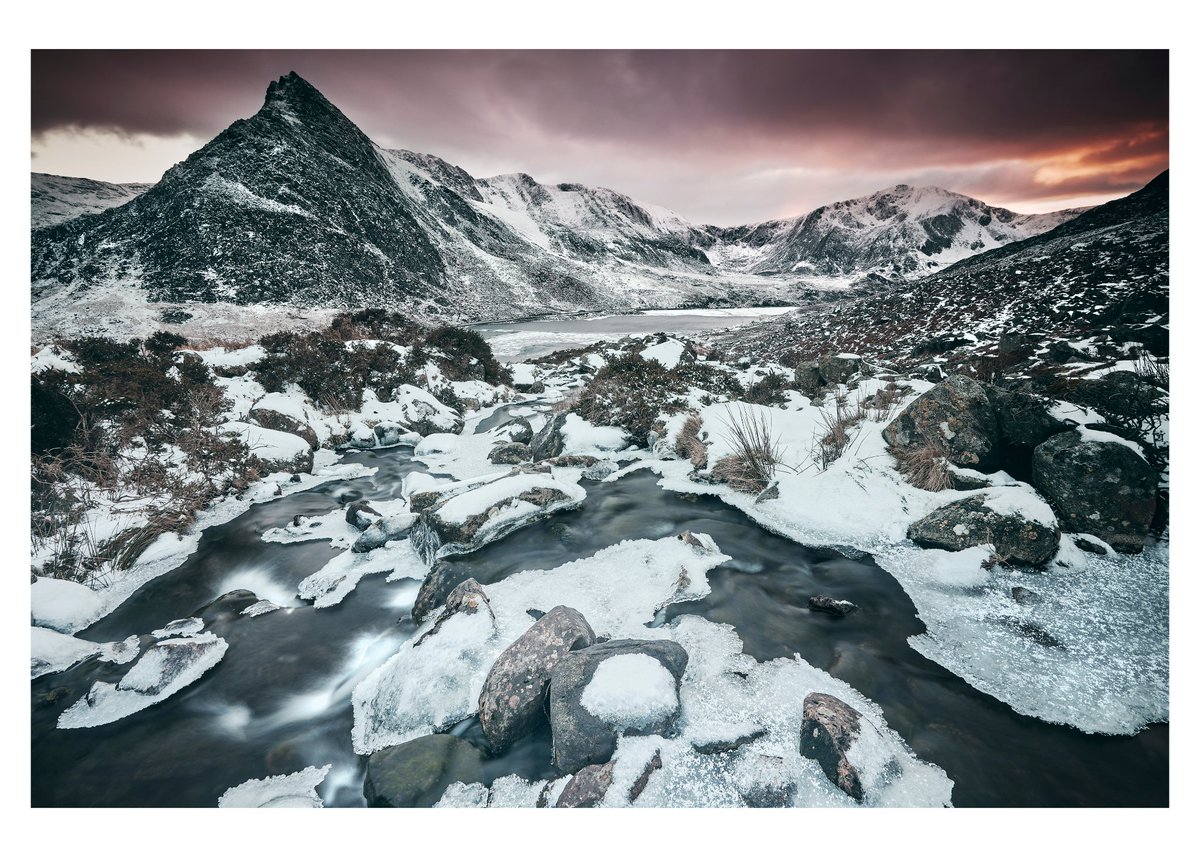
[280, 699]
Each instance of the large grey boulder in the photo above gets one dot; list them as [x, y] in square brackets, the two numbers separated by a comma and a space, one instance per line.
[970, 521]
[1099, 487]
[438, 583]
[271, 419]
[839, 368]
[549, 442]
[513, 700]
[957, 418]
[582, 737]
[828, 729]
[416, 773]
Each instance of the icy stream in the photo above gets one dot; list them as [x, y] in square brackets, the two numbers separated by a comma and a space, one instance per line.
[279, 700]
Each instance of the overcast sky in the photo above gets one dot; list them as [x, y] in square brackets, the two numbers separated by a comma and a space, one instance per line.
[720, 137]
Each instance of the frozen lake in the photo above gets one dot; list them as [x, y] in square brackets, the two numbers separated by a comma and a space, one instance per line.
[525, 340]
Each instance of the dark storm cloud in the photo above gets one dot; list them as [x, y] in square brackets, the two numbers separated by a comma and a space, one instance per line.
[682, 126]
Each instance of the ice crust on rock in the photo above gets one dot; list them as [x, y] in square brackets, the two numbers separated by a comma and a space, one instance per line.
[338, 577]
[163, 670]
[63, 605]
[298, 790]
[188, 627]
[54, 652]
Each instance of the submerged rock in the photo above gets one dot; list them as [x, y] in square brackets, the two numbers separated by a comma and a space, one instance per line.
[416, 773]
[955, 417]
[970, 521]
[519, 431]
[585, 730]
[438, 583]
[512, 703]
[1100, 487]
[600, 471]
[828, 730]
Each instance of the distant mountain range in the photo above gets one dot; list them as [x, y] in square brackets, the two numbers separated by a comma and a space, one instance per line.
[1104, 274]
[296, 206]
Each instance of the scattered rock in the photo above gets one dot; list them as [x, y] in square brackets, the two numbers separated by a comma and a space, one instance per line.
[1090, 546]
[1098, 487]
[468, 597]
[549, 442]
[580, 737]
[771, 492]
[828, 730]
[361, 515]
[512, 703]
[587, 788]
[437, 585]
[969, 522]
[390, 434]
[572, 461]
[643, 780]
[599, 471]
[1021, 595]
[835, 606]
[808, 377]
[416, 773]
[956, 417]
[839, 368]
[382, 531]
[510, 453]
[519, 431]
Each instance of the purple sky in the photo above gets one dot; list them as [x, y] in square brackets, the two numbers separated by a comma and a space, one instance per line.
[722, 137]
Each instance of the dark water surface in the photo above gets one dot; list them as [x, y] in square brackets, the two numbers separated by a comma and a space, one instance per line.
[280, 698]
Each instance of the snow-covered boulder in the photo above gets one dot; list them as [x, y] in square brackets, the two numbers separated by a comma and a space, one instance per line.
[956, 417]
[549, 442]
[164, 669]
[383, 530]
[1100, 484]
[63, 605]
[466, 521]
[620, 687]
[1014, 521]
[276, 449]
[270, 418]
[510, 453]
[512, 702]
[839, 368]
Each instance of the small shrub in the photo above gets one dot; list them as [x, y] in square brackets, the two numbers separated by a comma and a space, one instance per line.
[840, 429]
[756, 454]
[768, 390]
[688, 444]
[629, 392]
[924, 466]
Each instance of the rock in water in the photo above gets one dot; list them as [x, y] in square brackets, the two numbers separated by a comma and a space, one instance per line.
[836, 606]
[587, 788]
[513, 699]
[957, 418]
[438, 583]
[1103, 488]
[416, 773]
[627, 704]
[970, 521]
[466, 521]
[549, 442]
[828, 730]
[361, 515]
[382, 531]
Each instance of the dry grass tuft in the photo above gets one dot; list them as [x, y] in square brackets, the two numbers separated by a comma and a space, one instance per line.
[756, 454]
[688, 444]
[923, 466]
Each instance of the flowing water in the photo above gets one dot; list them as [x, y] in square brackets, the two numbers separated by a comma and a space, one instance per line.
[280, 698]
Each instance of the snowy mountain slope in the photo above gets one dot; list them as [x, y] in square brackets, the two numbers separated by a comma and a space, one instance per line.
[901, 232]
[1104, 272]
[55, 199]
[296, 206]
